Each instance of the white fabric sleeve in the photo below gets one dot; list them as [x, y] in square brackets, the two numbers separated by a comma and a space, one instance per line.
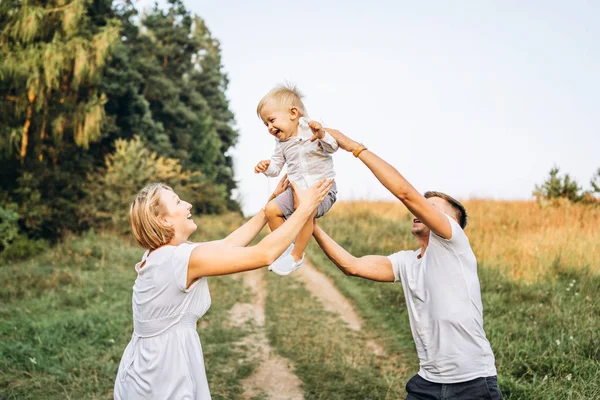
[397, 260]
[330, 145]
[181, 260]
[277, 162]
[459, 240]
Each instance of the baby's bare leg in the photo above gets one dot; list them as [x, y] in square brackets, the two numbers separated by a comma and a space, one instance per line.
[274, 215]
[303, 238]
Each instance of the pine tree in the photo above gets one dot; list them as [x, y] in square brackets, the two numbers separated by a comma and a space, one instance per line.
[595, 182]
[76, 75]
[185, 90]
[209, 80]
[556, 187]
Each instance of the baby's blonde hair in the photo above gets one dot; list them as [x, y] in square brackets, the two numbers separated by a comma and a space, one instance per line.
[285, 95]
[146, 214]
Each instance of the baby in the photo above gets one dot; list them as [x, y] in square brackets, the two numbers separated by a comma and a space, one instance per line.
[306, 148]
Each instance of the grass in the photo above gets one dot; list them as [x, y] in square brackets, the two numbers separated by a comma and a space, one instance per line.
[519, 238]
[331, 359]
[545, 330]
[67, 312]
[67, 319]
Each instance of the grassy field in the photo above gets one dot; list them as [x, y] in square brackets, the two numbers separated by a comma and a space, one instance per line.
[542, 304]
[67, 312]
[518, 238]
[67, 319]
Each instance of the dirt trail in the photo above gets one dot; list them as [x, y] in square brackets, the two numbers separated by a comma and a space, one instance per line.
[274, 376]
[321, 286]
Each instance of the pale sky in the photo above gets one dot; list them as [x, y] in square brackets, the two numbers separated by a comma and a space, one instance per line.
[473, 98]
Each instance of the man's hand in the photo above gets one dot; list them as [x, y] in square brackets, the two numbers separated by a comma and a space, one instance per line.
[262, 166]
[317, 130]
[343, 141]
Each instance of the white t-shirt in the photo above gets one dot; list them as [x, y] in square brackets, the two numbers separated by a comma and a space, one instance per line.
[443, 298]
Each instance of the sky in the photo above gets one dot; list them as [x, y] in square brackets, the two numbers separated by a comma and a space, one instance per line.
[478, 99]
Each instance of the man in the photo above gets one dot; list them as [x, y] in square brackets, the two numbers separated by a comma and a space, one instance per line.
[440, 284]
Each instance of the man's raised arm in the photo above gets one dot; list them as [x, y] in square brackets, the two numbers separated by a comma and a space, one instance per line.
[389, 177]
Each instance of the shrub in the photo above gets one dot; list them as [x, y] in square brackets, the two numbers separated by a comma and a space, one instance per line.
[9, 226]
[556, 188]
[131, 167]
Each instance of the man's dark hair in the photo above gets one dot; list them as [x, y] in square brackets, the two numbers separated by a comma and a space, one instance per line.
[461, 213]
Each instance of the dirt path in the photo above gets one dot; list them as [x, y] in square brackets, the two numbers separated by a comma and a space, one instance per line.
[321, 286]
[274, 377]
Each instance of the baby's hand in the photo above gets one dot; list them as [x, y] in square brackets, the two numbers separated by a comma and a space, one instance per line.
[262, 166]
[317, 130]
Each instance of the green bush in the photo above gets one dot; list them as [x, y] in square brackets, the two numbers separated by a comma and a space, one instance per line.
[14, 245]
[556, 188]
[9, 224]
[131, 167]
[595, 182]
[23, 247]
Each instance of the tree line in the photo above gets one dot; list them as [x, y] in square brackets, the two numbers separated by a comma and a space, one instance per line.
[97, 100]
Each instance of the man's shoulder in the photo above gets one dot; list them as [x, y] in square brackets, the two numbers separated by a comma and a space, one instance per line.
[402, 260]
[404, 255]
[458, 234]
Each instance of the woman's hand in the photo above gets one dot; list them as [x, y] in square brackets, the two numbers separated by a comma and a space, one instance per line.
[343, 141]
[281, 187]
[310, 198]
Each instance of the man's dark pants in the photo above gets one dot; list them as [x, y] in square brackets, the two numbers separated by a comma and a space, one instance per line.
[478, 389]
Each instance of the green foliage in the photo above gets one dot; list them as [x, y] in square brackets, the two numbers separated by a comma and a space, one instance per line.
[52, 59]
[595, 182]
[556, 187]
[332, 360]
[14, 245]
[545, 336]
[21, 247]
[131, 167]
[9, 227]
[76, 75]
[66, 319]
[184, 90]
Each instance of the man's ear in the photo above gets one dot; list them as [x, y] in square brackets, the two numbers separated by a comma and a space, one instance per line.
[294, 113]
[452, 214]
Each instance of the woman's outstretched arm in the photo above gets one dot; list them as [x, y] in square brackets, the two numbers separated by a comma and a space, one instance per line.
[220, 258]
[246, 233]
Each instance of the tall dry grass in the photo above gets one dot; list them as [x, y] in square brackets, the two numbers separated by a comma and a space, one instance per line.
[521, 238]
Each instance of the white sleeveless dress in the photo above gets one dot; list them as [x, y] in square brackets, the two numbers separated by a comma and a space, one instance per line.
[164, 358]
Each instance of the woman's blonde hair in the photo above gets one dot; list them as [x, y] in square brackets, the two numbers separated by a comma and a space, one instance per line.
[285, 95]
[146, 214]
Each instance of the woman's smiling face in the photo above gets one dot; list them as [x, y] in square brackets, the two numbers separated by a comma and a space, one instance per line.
[178, 214]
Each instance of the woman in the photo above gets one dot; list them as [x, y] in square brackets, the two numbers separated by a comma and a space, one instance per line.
[164, 358]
